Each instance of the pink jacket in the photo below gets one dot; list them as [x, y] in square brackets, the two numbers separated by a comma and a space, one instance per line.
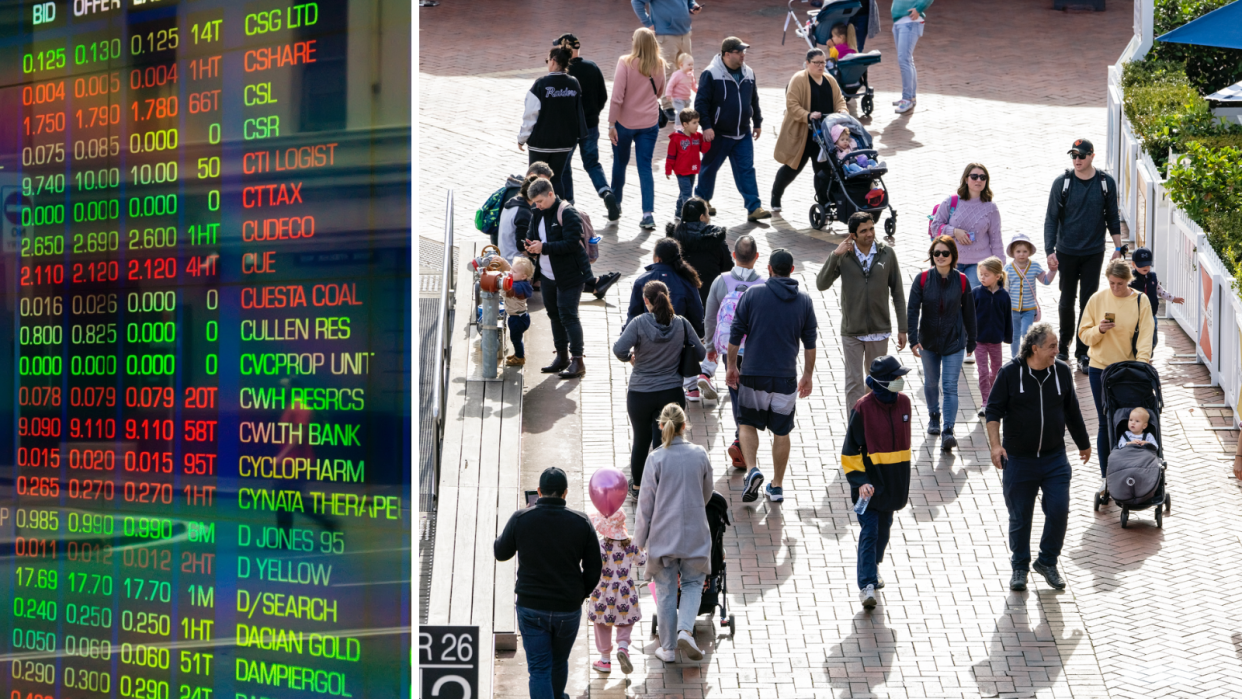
[680, 86]
[634, 104]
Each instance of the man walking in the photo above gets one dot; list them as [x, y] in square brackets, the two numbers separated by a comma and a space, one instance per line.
[558, 567]
[876, 461]
[670, 20]
[1081, 206]
[594, 99]
[773, 317]
[865, 322]
[727, 101]
[1035, 397]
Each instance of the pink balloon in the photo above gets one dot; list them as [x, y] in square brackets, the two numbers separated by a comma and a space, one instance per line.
[608, 490]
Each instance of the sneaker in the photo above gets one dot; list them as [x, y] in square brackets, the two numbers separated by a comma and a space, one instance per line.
[707, 388]
[735, 453]
[879, 582]
[633, 490]
[711, 210]
[904, 106]
[750, 487]
[898, 101]
[867, 596]
[668, 656]
[947, 440]
[610, 202]
[970, 359]
[1063, 357]
[686, 644]
[1084, 365]
[605, 282]
[623, 659]
[602, 666]
[1103, 491]
[775, 493]
[775, 210]
[759, 214]
[1017, 583]
[933, 425]
[1051, 576]
[671, 114]
[693, 395]
[515, 360]
[982, 412]
[648, 222]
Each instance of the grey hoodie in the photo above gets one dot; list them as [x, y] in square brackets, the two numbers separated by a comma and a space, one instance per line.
[657, 352]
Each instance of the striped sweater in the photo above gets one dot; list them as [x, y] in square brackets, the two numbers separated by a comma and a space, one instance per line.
[877, 451]
[1021, 285]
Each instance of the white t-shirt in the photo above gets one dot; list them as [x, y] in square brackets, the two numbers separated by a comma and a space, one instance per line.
[1131, 437]
[545, 262]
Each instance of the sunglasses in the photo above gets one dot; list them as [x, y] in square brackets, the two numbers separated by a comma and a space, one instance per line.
[942, 253]
[1079, 156]
[977, 177]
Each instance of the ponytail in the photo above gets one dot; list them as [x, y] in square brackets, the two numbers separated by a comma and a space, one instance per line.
[669, 252]
[994, 265]
[672, 422]
[656, 294]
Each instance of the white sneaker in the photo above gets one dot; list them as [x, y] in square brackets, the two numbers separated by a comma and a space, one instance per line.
[970, 359]
[668, 656]
[685, 644]
[867, 596]
[775, 210]
[904, 106]
[897, 102]
[706, 388]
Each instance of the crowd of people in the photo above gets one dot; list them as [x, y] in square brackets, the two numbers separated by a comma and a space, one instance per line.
[701, 303]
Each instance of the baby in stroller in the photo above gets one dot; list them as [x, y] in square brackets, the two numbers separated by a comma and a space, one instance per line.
[1136, 430]
[844, 142]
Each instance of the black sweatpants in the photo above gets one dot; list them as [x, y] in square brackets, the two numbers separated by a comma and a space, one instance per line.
[644, 409]
[785, 175]
[558, 161]
[561, 305]
[1083, 271]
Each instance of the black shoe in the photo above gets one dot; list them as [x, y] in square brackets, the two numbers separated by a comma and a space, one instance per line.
[574, 369]
[561, 361]
[982, 412]
[1017, 583]
[610, 201]
[1063, 357]
[671, 114]
[933, 425]
[633, 491]
[1050, 574]
[604, 282]
[947, 440]
[1084, 365]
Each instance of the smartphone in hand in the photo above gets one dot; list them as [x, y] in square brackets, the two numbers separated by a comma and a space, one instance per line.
[1110, 317]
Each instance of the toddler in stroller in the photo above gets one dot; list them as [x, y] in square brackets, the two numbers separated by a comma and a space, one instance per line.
[852, 163]
[855, 183]
[1136, 468]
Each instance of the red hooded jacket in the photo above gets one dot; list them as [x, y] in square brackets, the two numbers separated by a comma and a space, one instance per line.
[684, 153]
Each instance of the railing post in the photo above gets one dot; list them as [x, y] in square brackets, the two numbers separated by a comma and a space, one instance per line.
[442, 336]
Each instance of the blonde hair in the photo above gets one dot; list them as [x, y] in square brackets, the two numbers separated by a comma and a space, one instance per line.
[993, 264]
[681, 59]
[524, 265]
[1119, 269]
[645, 53]
[672, 422]
[1143, 411]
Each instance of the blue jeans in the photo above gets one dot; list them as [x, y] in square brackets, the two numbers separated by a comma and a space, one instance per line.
[1022, 321]
[971, 272]
[548, 638]
[871, 544]
[518, 325]
[906, 35]
[590, 163]
[946, 367]
[1022, 480]
[644, 141]
[685, 185]
[677, 616]
[1103, 445]
[741, 155]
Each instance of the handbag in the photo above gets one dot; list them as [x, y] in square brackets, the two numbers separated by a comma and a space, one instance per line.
[662, 119]
[688, 367]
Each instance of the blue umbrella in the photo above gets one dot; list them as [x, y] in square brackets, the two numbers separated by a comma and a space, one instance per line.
[1221, 28]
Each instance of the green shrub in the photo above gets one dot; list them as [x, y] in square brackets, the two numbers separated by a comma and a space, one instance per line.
[1208, 69]
[1207, 182]
[1151, 71]
[1224, 234]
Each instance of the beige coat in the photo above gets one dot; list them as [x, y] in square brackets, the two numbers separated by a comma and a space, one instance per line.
[792, 139]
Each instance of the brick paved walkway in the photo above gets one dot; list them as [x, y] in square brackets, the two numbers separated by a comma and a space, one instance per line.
[1148, 612]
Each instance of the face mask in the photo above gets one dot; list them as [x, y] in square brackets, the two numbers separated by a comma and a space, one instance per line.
[897, 384]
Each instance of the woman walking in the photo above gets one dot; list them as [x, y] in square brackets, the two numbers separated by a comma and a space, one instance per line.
[634, 118]
[672, 526]
[809, 96]
[941, 297]
[973, 221]
[681, 280]
[652, 343]
[908, 19]
[1117, 326]
[554, 121]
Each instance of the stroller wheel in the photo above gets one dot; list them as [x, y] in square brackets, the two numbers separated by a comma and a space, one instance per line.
[818, 217]
[1168, 503]
[1125, 517]
[732, 626]
[890, 227]
[868, 104]
[1159, 519]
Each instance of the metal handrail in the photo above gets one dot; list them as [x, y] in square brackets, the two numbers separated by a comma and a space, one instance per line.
[442, 336]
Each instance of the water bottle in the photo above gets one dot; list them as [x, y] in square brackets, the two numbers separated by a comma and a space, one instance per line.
[861, 506]
[593, 247]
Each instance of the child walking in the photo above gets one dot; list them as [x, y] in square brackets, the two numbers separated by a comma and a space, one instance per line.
[685, 149]
[515, 308]
[994, 321]
[1145, 281]
[614, 601]
[1021, 273]
[682, 86]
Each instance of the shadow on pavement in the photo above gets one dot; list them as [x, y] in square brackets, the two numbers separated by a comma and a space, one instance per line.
[1021, 660]
[863, 657]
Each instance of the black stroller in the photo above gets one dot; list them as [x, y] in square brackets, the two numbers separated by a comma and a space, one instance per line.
[1136, 475]
[849, 72]
[716, 587]
[839, 193]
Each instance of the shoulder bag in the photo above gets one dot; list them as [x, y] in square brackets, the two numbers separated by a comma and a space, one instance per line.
[662, 119]
[688, 367]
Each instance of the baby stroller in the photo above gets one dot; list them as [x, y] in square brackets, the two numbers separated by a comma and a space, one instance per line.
[716, 587]
[838, 194]
[849, 72]
[1135, 474]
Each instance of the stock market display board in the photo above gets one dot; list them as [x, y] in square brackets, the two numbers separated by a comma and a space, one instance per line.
[206, 275]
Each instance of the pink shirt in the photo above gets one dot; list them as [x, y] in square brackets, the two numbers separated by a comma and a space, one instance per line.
[634, 104]
[681, 85]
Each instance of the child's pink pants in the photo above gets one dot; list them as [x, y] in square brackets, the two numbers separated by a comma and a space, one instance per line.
[603, 636]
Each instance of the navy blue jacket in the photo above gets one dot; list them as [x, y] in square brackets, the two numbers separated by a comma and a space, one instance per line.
[1148, 284]
[993, 316]
[686, 300]
[725, 105]
[948, 314]
[774, 317]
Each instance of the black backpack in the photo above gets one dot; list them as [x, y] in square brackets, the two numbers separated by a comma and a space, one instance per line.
[1065, 185]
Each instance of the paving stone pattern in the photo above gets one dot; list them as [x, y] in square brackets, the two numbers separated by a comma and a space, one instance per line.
[1147, 613]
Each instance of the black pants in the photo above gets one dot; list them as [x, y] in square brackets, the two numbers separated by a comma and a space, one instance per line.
[644, 409]
[785, 175]
[1083, 271]
[561, 304]
[558, 161]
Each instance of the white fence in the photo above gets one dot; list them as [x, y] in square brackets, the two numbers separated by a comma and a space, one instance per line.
[1185, 263]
